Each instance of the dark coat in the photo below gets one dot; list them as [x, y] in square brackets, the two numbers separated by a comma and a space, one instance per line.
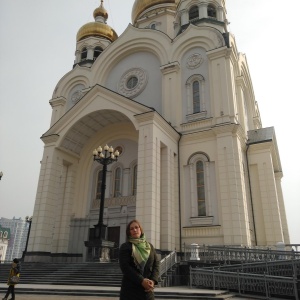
[132, 288]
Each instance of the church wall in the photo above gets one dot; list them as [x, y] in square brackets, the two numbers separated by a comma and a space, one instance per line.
[266, 194]
[258, 206]
[166, 66]
[285, 230]
[152, 93]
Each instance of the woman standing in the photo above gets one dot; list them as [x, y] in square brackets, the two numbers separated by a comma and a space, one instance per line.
[14, 271]
[139, 265]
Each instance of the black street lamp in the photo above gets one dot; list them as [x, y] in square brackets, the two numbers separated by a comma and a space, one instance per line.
[28, 220]
[105, 158]
[1, 174]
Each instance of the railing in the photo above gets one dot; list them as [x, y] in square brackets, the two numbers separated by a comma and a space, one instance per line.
[245, 283]
[284, 268]
[208, 254]
[166, 264]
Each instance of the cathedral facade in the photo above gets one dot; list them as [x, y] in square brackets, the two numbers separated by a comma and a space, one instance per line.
[174, 96]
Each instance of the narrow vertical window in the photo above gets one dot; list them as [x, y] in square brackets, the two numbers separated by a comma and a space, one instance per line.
[194, 12]
[117, 185]
[97, 52]
[211, 11]
[200, 188]
[134, 180]
[196, 97]
[84, 54]
[98, 184]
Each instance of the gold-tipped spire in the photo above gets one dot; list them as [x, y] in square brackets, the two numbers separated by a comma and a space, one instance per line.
[99, 28]
[101, 12]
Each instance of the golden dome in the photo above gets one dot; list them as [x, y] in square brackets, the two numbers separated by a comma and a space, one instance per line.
[101, 12]
[99, 28]
[96, 29]
[141, 5]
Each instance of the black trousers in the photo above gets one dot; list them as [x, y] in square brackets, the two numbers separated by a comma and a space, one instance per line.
[10, 290]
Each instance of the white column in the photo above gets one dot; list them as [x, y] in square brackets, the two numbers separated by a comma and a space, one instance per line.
[46, 203]
[148, 184]
[220, 14]
[203, 10]
[90, 53]
[184, 17]
[167, 200]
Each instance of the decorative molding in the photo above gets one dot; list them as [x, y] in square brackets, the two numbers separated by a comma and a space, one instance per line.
[202, 221]
[57, 101]
[205, 231]
[113, 202]
[142, 80]
[170, 67]
[196, 116]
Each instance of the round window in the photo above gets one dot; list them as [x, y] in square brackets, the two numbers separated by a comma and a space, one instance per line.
[132, 82]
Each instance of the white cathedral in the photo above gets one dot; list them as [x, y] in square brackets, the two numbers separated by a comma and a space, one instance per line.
[174, 96]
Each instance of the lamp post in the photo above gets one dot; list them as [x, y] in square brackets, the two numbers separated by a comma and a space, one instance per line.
[1, 174]
[28, 220]
[105, 158]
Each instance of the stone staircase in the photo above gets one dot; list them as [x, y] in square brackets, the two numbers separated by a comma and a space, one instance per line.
[83, 274]
[89, 279]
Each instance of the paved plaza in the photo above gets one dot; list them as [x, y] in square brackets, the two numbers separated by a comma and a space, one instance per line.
[42, 296]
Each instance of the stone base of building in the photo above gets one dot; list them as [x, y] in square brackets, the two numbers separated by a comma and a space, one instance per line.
[53, 257]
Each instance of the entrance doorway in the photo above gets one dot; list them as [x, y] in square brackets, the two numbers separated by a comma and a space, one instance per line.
[113, 235]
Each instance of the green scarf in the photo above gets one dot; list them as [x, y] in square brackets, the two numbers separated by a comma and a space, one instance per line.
[140, 251]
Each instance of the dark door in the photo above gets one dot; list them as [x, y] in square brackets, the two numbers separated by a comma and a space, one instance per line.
[113, 235]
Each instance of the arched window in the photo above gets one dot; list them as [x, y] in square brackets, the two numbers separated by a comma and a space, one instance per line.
[97, 52]
[211, 11]
[194, 12]
[1, 233]
[200, 188]
[84, 54]
[98, 184]
[196, 97]
[195, 93]
[5, 234]
[134, 180]
[201, 180]
[117, 182]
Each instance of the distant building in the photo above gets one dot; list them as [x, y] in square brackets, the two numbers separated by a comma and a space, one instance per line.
[4, 238]
[18, 230]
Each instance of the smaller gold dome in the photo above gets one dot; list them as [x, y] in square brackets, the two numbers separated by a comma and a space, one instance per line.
[96, 29]
[101, 12]
[141, 5]
[99, 28]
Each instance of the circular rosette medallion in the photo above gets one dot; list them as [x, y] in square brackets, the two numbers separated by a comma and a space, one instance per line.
[194, 61]
[133, 82]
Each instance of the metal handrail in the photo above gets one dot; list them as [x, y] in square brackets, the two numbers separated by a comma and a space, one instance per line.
[227, 254]
[244, 282]
[167, 263]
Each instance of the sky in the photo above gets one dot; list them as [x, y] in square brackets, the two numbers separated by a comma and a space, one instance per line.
[38, 40]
